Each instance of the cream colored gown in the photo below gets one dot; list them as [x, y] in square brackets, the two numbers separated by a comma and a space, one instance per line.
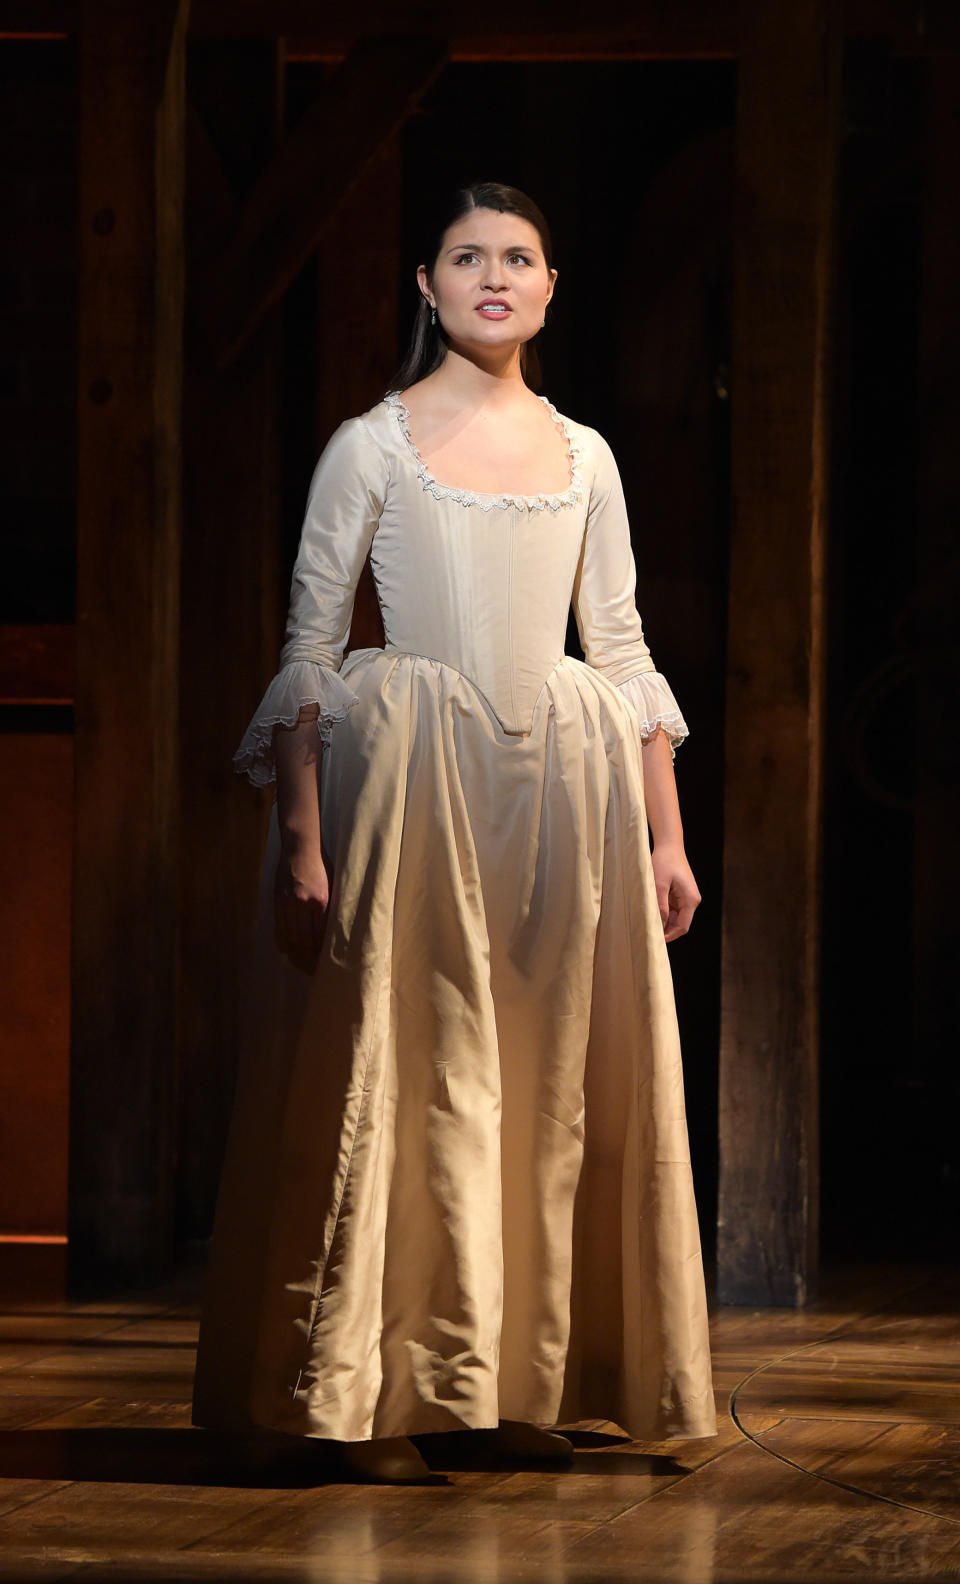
[457, 1186]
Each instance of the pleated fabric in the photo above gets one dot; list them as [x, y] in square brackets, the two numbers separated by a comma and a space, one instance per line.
[458, 1184]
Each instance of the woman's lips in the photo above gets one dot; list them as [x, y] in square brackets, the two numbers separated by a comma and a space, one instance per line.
[492, 310]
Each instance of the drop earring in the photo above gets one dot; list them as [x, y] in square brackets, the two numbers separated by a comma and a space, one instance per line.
[433, 316]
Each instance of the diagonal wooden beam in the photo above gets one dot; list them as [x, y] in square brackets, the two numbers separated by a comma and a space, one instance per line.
[280, 223]
[210, 207]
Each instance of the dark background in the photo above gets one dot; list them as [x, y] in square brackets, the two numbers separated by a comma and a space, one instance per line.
[633, 166]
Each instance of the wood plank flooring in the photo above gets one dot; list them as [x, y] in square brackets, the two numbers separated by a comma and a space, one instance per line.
[838, 1459]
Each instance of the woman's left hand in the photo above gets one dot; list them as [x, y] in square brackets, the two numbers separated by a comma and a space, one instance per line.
[677, 893]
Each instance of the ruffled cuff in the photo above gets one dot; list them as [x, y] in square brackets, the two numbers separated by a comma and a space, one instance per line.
[299, 683]
[649, 694]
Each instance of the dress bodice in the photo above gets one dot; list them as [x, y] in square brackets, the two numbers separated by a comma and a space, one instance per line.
[480, 582]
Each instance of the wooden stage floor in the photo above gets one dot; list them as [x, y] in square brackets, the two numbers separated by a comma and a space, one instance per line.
[838, 1458]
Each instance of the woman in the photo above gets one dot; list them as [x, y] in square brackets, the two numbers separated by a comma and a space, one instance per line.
[457, 1193]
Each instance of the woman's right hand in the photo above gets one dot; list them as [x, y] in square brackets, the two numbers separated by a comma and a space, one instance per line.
[301, 896]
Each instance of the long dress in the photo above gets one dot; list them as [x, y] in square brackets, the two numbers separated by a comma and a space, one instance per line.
[457, 1186]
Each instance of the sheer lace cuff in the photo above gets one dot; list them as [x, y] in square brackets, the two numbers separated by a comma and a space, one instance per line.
[300, 683]
[649, 694]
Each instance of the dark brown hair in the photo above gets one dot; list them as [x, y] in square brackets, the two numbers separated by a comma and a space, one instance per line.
[428, 343]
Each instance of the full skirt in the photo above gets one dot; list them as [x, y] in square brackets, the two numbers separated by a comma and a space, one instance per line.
[457, 1186]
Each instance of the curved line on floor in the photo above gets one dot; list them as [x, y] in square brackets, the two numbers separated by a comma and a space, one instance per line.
[828, 1479]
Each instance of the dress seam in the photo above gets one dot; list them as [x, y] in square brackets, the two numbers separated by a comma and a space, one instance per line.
[634, 1096]
[364, 1095]
[384, 450]
[511, 578]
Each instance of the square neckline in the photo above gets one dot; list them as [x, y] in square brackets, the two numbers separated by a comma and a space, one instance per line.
[486, 500]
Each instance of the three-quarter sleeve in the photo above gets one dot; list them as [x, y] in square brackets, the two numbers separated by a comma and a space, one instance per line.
[604, 603]
[344, 504]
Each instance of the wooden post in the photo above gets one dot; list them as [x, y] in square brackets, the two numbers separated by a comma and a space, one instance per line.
[932, 629]
[786, 154]
[131, 63]
[231, 627]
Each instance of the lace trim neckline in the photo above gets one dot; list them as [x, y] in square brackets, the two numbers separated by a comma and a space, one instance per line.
[490, 502]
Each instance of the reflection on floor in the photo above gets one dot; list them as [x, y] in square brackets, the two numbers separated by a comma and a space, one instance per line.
[838, 1458]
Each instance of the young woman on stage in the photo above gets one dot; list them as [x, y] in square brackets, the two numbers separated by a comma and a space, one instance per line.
[457, 1193]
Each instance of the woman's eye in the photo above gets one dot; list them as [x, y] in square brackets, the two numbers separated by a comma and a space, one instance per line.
[518, 258]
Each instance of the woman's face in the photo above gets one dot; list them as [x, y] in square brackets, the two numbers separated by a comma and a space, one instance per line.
[490, 283]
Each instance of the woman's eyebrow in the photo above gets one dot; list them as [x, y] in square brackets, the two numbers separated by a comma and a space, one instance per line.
[477, 247]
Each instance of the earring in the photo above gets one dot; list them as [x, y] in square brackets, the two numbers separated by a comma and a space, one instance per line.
[433, 316]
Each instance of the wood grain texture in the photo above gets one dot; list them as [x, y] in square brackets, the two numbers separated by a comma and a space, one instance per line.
[131, 67]
[930, 629]
[36, 796]
[788, 83]
[914, 1465]
[116, 1483]
[628, 29]
[231, 629]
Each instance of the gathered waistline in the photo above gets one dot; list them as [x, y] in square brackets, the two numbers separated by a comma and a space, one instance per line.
[511, 729]
[394, 653]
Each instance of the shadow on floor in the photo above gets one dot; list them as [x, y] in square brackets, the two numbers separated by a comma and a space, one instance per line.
[132, 1456]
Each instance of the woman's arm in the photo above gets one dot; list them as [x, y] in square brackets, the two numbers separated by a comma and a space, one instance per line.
[677, 894]
[344, 503]
[307, 697]
[613, 642]
[604, 601]
[302, 883]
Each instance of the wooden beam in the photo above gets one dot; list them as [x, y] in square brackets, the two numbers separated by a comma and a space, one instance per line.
[39, 19]
[131, 67]
[614, 30]
[683, 29]
[541, 33]
[231, 627]
[366, 101]
[372, 18]
[786, 155]
[37, 663]
[36, 795]
[930, 626]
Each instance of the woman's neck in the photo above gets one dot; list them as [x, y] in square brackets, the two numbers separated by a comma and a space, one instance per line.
[463, 381]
